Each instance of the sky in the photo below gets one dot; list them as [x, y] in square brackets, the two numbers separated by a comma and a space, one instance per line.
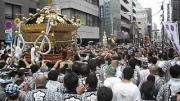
[156, 6]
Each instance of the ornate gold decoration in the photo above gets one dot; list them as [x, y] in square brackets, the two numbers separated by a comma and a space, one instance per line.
[16, 21]
[36, 25]
[43, 32]
[37, 48]
[61, 20]
[24, 19]
[38, 10]
[49, 2]
[78, 20]
[16, 32]
[30, 15]
[65, 17]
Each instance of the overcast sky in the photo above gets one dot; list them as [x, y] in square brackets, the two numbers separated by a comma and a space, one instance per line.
[156, 6]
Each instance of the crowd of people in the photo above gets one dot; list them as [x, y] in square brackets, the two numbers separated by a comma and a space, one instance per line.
[124, 73]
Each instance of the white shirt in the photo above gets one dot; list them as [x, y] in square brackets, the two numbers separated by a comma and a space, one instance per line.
[126, 92]
[110, 82]
[54, 86]
[143, 73]
[119, 72]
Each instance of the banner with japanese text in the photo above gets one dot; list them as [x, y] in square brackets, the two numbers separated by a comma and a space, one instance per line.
[172, 31]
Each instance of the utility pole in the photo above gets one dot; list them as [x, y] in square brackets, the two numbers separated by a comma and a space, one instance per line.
[112, 22]
[162, 8]
[133, 31]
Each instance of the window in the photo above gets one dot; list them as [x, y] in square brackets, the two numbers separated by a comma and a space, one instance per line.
[174, 7]
[11, 10]
[91, 20]
[32, 10]
[95, 21]
[87, 19]
[94, 2]
[83, 18]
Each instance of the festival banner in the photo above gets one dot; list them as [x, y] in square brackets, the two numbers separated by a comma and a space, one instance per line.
[172, 31]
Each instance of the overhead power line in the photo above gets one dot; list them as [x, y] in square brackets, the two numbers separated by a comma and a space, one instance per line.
[158, 11]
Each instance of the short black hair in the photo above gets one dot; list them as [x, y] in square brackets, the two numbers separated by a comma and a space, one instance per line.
[21, 63]
[13, 73]
[92, 80]
[98, 62]
[150, 58]
[175, 71]
[132, 63]
[102, 60]
[52, 75]
[76, 58]
[21, 72]
[160, 72]
[14, 97]
[148, 90]
[85, 70]
[34, 68]
[128, 73]
[151, 78]
[138, 62]
[63, 69]
[92, 64]
[76, 68]
[150, 53]
[50, 64]
[154, 60]
[71, 81]
[104, 94]
[159, 56]
[164, 56]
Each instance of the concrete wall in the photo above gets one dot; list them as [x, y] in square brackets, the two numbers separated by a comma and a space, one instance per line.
[143, 26]
[2, 20]
[88, 32]
[81, 5]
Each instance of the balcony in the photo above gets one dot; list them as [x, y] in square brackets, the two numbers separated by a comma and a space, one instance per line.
[123, 14]
[125, 25]
[134, 8]
[125, 5]
[134, 2]
[134, 15]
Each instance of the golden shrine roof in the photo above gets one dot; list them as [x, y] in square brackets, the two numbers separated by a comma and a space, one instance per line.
[38, 22]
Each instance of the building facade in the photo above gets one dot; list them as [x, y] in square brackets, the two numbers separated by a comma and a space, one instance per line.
[149, 18]
[118, 18]
[175, 15]
[10, 8]
[141, 20]
[156, 35]
[88, 11]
